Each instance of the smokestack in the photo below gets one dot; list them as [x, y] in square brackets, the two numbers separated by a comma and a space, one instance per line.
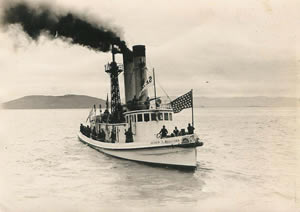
[139, 63]
[129, 76]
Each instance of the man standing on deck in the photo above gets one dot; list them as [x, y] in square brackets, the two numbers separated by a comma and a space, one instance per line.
[128, 135]
[113, 135]
[190, 129]
[102, 135]
[94, 134]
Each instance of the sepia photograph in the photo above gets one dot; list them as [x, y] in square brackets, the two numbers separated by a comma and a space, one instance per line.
[135, 105]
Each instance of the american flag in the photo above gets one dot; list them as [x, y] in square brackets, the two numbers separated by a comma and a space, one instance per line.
[182, 102]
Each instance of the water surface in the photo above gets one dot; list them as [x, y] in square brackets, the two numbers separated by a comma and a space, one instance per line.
[248, 163]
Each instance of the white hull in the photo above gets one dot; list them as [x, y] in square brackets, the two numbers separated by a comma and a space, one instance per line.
[168, 153]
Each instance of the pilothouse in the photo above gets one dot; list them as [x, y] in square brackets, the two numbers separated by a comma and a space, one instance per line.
[142, 129]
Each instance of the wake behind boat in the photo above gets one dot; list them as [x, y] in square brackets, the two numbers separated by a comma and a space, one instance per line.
[138, 130]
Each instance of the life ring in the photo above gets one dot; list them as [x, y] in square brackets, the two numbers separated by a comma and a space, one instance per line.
[185, 141]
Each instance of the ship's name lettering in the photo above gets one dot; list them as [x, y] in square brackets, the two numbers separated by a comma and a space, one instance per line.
[165, 141]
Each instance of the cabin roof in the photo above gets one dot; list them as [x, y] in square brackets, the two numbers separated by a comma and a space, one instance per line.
[148, 111]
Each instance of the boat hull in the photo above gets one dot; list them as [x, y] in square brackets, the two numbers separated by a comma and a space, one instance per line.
[184, 156]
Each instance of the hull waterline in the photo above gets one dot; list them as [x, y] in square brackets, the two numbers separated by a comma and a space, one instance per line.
[178, 156]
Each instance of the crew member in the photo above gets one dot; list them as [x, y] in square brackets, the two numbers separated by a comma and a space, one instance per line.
[113, 136]
[81, 128]
[190, 129]
[147, 103]
[102, 135]
[176, 131]
[128, 135]
[94, 134]
[182, 132]
[163, 132]
[105, 116]
[134, 102]
[88, 131]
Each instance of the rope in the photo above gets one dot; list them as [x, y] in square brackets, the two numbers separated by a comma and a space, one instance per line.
[164, 91]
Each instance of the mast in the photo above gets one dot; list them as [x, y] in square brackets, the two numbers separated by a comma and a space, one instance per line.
[114, 70]
[192, 109]
[154, 87]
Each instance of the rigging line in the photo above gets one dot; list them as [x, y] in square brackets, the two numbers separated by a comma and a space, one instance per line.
[164, 90]
[158, 82]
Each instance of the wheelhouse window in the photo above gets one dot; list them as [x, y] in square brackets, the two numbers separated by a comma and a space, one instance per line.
[160, 116]
[134, 118]
[140, 117]
[146, 117]
[170, 116]
[166, 116]
[127, 119]
[153, 117]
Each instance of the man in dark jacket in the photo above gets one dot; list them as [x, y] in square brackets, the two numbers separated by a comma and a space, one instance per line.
[113, 135]
[128, 134]
[88, 131]
[176, 132]
[163, 132]
[102, 135]
[190, 129]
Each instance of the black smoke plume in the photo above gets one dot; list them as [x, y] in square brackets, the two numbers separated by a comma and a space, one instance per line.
[66, 25]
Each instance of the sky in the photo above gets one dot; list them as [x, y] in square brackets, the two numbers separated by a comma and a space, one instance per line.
[217, 48]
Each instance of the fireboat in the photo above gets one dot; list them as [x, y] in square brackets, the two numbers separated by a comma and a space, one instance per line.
[138, 129]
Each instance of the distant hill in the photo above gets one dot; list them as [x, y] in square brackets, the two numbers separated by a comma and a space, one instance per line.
[81, 101]
[53, 102]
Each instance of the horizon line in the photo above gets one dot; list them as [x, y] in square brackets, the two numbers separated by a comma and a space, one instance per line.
[103, 98]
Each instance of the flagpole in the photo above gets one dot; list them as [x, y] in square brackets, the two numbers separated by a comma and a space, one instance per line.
[154, 87]
[107, 102]
[192, 109]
